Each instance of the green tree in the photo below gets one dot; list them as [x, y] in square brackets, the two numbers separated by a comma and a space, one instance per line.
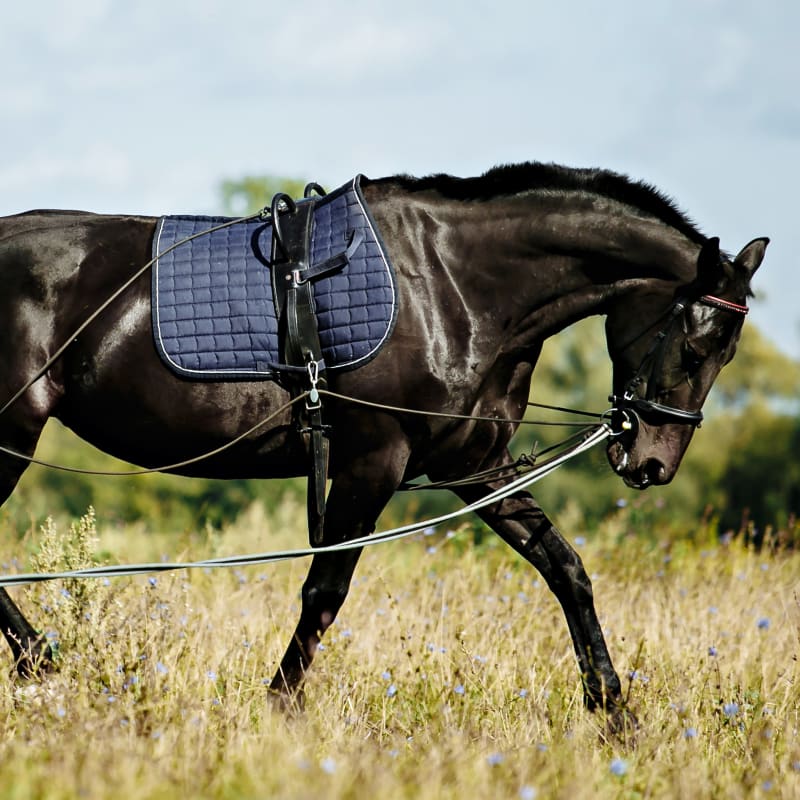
[250, 193]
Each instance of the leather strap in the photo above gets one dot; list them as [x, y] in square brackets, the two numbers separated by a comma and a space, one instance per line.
[299, 338]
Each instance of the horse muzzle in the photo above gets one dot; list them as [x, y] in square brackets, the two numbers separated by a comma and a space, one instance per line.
[638, 465]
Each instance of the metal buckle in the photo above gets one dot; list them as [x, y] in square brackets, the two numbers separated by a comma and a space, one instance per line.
[313, 403]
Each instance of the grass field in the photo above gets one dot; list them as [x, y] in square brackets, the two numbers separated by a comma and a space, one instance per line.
[449, 673]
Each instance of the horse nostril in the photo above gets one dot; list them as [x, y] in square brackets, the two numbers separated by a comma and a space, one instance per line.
[656, 472]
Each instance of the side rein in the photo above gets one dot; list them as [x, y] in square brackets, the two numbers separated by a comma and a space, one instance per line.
[629, 405]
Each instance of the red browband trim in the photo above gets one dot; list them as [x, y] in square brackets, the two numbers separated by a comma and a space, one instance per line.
[725, 305]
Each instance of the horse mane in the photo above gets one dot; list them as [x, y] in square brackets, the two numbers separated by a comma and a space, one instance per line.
[511, 179]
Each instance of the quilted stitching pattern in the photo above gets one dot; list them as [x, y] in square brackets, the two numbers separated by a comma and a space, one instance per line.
[213, 311]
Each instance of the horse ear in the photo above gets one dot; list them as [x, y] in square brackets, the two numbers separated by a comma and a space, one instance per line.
[751, 256]
[709, 259]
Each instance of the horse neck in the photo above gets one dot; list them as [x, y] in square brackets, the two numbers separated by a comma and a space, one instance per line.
[557, 259]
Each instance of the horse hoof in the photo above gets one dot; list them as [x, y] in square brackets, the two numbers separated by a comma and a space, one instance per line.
[621, 725]
[290, 704]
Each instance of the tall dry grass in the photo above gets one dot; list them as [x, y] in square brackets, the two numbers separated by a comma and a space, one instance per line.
[448, 674]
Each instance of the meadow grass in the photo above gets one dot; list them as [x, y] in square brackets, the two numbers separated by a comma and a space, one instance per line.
[449, 672]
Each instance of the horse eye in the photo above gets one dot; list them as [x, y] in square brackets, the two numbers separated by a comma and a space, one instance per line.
[691, 359]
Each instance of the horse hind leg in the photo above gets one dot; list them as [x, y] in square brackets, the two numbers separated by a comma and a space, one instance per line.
[29, 648]
[31, 651]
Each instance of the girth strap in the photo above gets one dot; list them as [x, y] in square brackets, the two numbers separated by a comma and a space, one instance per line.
[300, 346]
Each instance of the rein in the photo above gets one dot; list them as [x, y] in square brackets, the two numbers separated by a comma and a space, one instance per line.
[308, 394]
[598, 435]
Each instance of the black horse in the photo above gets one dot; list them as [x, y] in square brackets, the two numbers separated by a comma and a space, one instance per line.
[487, 268]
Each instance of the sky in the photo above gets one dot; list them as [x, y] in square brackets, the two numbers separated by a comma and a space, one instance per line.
[147, 107]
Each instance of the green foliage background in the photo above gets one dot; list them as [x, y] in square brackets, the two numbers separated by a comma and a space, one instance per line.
[741, 469]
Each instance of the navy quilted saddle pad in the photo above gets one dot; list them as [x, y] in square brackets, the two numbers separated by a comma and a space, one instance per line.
[213, 309]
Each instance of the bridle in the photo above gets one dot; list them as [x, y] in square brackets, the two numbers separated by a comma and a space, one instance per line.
[629, 405]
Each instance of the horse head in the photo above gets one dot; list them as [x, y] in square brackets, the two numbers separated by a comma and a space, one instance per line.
[667, 349]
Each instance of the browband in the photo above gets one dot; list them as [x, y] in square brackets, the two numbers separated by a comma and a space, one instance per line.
[725, 305]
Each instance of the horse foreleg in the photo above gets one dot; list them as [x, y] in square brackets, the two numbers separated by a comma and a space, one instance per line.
[520, 522]
[356, 498]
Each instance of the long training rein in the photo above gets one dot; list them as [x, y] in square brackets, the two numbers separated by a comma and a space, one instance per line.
[599, 434]
[525, 468]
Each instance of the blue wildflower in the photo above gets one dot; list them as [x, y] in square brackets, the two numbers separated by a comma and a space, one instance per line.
[386, 675]
[618, 767]
[152, 581]
[580, 541]
[459, 689]
[161, 668]
[763, 623]
[690, 733]
[712, 651]
[212, 676]
[730, 709]
[391, 690]
[527, 793]
[494, 759]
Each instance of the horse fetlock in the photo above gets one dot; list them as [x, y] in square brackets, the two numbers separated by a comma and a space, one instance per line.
[601, 693]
